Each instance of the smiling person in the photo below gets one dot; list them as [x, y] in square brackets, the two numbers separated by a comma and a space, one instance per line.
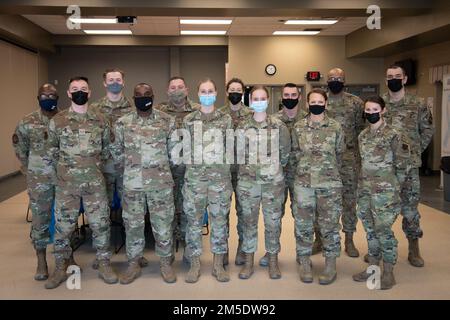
[318, 143]
[207, 184]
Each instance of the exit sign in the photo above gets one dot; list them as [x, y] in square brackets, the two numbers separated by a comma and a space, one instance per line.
[313, 76]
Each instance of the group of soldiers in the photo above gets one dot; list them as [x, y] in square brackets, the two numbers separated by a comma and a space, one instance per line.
[340, 159]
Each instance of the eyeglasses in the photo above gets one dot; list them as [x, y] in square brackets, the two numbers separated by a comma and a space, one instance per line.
[48, 96]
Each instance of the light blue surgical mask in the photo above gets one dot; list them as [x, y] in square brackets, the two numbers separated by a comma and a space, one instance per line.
[259, 106]
[207, 100]
[114, 87]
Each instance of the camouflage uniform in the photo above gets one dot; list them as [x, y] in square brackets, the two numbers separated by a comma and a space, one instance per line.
[263, 184]
[318, 185]
[30, 142]
[112, 111]
[141, 150]
[237, 116]
[207, 185]
[80, 147]
[348, 111]
[411, 117]
[289, 169]
[179, 170]
[385, 156]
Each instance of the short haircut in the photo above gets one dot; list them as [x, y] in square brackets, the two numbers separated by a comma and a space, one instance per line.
[113, 70]
[396, 66]
[206, 80]
[78, 78]
[235, 80]
[259, 87]
[176, 78]
[318, 91]
[376, 99]
[290, 85]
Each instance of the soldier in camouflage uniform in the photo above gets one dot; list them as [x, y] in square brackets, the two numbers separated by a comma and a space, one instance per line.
[412, 118]
[318, 142]
[30, 142]
[79, 139]
[207, 182]
[178, 106]
[346, 109]
[289, 115]
[385, 155]
[261, 182]
[141, 150]
[238, 112]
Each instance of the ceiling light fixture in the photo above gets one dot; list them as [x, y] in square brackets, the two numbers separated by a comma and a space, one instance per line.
[93, 20]
[109, 32]
[295, 33]
[204, 21]
[309, 22]
[202, 32]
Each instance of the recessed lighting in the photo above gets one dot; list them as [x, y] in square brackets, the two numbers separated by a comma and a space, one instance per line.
[295, 33]
[204, 21]
[201, 32]
[93, 20]
[113, 32]
[311, 22]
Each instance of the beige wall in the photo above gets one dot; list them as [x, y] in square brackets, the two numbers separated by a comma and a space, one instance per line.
[427, 57]
[294, 56]
[18, 87]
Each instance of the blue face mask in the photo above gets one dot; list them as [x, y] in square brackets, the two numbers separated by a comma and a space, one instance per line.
[114, 87]
[259, 106]
[207, 101]
[48, 104]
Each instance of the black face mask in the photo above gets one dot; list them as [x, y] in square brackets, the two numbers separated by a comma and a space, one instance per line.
[372, 117]
[290, 103]
[79, 97]
[235, 97]
[395, 85]
[335, 86]
[143, 103]
[316, 109]
[48, 104]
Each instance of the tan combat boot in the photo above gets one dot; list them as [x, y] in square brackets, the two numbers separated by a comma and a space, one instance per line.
[218, 270]
[387, 278]
[274, 270]
[240, 255]
[414, 257]
[106, 272]
[167, 273]
[143, 262]
[247, 270]
[132, 273]
[305, 269]
[317, 245]
[350, 248]
[194, 271]
[58, 276]
[329, 274]
[364, 275]
[264, 261]
[366, 258]
[42, 269]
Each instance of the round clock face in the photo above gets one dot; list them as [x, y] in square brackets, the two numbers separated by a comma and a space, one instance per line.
[271, 69]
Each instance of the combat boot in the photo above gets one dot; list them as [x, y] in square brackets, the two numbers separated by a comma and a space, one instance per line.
[71, 262]
[329, 274]
[366, 258]
[106, 272]
[194, 271]
[387, 278]
[317, 245]
[364, 275]
[350, 248]
[143, 262]
[132, 273]
[247, 270]
[58, 276]
[414, 257]
[218, 270]
[42, 269]
[274, 270]
[240, 255]
[167, 273]
[305, 269]
[264, 261]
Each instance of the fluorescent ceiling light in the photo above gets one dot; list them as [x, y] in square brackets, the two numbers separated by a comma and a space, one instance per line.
[93, 20]
[295, 33]
[114, 32]
[202, 32]
[204, 21]
[314, 22]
